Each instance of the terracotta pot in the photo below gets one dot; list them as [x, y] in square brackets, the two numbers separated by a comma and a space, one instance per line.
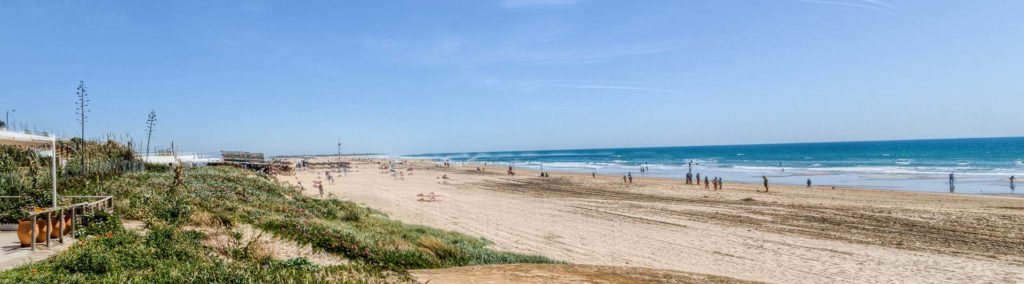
[40, 231]
[67, 225]
[25, 232]
[55, 230]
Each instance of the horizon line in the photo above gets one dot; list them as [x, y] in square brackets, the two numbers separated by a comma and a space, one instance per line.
[721, 145]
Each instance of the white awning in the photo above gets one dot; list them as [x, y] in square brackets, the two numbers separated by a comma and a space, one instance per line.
[22, 139]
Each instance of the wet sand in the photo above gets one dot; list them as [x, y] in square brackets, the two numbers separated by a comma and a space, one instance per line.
[788, 235]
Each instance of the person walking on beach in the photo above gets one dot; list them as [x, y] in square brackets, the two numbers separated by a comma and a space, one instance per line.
[317, 185]
[808, 183]
[952, 181]
[721, 184]
[698, 178]
[630, 175]
[688, 178]
[765, 183]
[593, 174]
[707, 185]
[624, 180]
[1011, 182]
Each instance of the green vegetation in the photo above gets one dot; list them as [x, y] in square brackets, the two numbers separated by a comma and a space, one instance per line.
[168, 254]
[183, 209]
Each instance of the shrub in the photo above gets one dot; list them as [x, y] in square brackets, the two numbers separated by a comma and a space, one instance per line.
[173, 209]
[300, 263]
[440, 250]
[98, 222]
[153, 167]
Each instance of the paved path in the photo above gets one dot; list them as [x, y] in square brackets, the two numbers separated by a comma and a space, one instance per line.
[13, 255]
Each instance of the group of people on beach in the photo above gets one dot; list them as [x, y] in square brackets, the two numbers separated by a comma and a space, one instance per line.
[317, 184]
[644, 168]
[952, 182]
[716, 183]
[689, 178]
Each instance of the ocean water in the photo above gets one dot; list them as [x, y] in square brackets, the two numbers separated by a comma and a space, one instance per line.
[981, 165]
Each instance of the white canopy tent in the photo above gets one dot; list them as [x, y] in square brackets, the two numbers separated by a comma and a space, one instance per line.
[30, 140]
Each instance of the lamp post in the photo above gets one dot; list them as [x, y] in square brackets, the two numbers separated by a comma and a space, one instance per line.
[341, 166]
[7, 119]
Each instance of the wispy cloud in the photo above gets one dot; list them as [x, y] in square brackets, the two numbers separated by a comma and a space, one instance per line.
[874, 5]
[532, 3]
[528, 55]
[616, 87]
[541, 47]
[656, 86]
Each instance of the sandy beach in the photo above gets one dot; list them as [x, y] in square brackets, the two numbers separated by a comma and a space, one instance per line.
[788, 235]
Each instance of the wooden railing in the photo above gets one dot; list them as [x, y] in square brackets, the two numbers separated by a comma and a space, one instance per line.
[101, 202]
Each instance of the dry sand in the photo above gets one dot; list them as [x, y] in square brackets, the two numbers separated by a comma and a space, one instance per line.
[790, 235]
[561, 273]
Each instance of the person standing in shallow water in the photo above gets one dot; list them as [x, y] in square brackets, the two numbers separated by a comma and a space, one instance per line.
[952, 181]
[1011, 181]
[808, 183]
[765, 183]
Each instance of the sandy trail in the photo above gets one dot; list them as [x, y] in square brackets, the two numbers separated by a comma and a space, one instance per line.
[791, 235]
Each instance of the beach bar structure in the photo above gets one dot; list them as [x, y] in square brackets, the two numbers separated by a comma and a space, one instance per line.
[246, 160]
[325, 165]
[242, 157]
[59, 212]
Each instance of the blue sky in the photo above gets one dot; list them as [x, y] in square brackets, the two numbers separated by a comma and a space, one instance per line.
[446, 76]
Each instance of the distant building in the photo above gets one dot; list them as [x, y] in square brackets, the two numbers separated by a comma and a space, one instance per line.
[247, 160]
[189, 159]
[242, 157]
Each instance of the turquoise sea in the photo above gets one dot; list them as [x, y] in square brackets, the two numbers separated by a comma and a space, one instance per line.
[980, 165]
